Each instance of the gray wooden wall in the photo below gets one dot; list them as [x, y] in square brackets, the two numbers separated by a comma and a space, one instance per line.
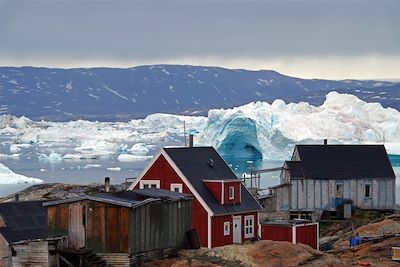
[320, 194]
[159, 225]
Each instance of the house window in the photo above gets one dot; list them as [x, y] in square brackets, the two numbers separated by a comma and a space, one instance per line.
[176, 188]
[367, 190]
[231, 192]
[249, 226]
[339, 190]
[149, 184]
[227, 228]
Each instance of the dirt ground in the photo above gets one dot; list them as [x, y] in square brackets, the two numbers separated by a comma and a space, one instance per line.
[262, 253]
[379, 236]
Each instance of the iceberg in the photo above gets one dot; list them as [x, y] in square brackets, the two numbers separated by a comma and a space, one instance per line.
[253, 131]
[53, 157]
[270, 131]
[7, 176]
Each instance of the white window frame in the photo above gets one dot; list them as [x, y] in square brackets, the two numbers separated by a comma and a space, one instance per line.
[231, 192]
[370, 190]
[249, 229]
[149, 182]
[227, 228]
[179, 186]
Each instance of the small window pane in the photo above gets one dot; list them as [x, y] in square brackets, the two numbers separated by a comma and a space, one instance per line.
[367, 190]
[227, 228]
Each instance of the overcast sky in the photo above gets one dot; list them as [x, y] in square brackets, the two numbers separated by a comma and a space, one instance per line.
[318, 39]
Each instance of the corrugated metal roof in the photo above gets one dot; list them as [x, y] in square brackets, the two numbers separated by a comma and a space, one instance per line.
[129, 199]
[161, 194]
[343, 161]
[204, 163]
[24, 220]
[21, 235]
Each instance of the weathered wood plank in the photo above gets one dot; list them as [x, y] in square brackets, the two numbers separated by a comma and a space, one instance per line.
[31, 254]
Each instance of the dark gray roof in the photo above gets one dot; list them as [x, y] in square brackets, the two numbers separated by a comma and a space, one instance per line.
[24, 220]
[161, 194]
[129, 199]
[295, 168]
[342, 162]
[204, 163]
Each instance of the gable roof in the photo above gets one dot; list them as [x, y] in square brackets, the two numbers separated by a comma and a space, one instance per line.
[341, 162]
[24, 221]
[204, 163]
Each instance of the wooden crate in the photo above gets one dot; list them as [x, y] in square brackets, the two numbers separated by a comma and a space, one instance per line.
[396, 253]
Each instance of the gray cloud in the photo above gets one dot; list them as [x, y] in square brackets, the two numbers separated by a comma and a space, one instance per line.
[39, 32]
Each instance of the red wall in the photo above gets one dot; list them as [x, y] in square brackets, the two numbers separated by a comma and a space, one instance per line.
[161, 170]
[216, 189]
[236, 199]
[276, 232]
[217, 229]
[307, 235]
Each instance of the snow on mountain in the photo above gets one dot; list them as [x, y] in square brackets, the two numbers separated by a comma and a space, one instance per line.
[110, 94]
[271, 130]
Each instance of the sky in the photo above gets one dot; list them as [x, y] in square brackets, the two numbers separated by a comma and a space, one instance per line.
[309, 39]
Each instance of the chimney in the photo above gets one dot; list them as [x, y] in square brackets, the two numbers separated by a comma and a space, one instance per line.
[325, 142]
[16, 197]
[190, 140]
[107, 184]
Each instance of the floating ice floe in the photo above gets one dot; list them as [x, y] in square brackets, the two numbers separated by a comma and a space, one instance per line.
[14, 148]
[115, 169]
[90, 166]
[53, 157]
[141, 149]
[7, 176]
[132, 158]
[12, 156]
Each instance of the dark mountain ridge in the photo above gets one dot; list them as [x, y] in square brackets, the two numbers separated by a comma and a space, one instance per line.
[110, 94]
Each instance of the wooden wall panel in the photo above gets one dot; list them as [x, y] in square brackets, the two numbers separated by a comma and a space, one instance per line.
[5, 253]
[31, 254]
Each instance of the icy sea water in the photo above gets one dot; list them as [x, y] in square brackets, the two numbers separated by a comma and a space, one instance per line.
[94, 170]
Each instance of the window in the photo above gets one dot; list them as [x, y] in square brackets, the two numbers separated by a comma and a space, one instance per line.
[367, 190]
[339, 190]
[231, 192]
[176, 187]
[149, 184]
[249, 226]
[227, 228]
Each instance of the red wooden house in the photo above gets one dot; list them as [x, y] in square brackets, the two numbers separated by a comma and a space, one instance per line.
[224, 211]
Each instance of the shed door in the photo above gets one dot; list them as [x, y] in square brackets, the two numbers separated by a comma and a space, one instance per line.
[76, 229]
[237, 229]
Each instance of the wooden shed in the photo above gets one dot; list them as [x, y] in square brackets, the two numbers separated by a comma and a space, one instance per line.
[23, 240]
[126, 228]
[295, 231]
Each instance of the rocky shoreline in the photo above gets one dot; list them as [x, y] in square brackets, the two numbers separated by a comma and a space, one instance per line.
[51, 191]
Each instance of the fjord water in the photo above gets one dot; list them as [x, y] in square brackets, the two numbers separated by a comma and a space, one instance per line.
[94, 170]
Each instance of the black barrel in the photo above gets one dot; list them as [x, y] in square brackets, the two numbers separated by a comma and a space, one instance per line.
[193, 239]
